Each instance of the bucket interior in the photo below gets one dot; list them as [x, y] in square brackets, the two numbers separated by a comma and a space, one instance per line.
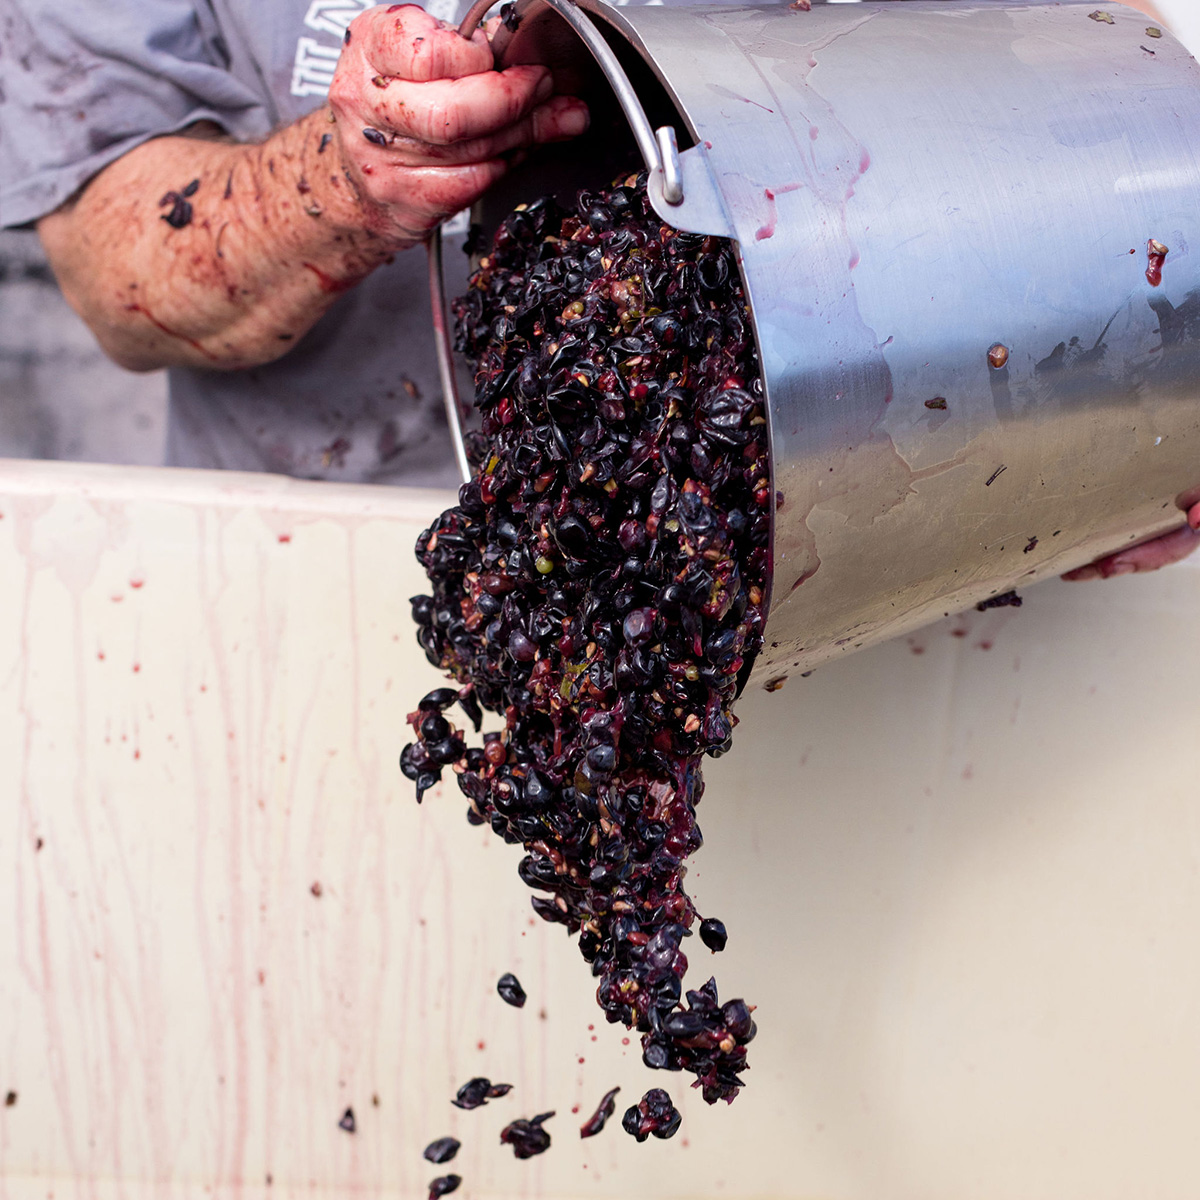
[607, 150]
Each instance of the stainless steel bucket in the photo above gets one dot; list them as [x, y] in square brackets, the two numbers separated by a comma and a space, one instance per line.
[945, 214]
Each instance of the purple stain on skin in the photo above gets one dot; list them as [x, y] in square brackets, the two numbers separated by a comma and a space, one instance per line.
[180, 215]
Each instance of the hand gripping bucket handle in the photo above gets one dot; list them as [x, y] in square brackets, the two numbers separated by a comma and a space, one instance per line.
[659, 149]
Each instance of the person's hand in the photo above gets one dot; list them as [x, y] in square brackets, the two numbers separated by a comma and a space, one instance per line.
[1148, 556]
[273, 232]
[424, 121]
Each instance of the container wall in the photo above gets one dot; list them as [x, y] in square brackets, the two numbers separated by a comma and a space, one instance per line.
[960, 874]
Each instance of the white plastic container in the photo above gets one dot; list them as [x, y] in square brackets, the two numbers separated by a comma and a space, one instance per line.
[960, 874]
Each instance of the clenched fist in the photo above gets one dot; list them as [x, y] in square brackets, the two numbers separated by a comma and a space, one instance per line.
[424, 120]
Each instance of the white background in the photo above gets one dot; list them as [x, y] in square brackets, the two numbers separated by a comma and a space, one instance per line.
[1184, 18]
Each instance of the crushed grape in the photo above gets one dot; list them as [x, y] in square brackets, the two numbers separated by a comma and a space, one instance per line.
[601, 585]
[527, 1137]
[652, 1114]
[511, 991]
[597, 1120]
[477, 1092]
[1004, 600]
[443, 1150]
[443, 1185]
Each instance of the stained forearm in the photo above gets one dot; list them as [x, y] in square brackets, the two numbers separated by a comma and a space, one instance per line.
[210, 253]
[213, 254]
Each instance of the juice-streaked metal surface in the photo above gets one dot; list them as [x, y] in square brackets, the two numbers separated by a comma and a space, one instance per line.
[910, 184]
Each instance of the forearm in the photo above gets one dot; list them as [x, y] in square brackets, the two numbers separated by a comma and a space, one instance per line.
[229, 275]
[207, 253]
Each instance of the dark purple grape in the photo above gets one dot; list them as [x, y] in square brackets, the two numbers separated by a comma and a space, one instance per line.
[602, 759]
[712, 933]
[180, 214]
[443, 1185]
[639, 625]
[520, 646]
[511, 991]
[684, 1024]
[1004, 600]
[601, 586]
[527, 1137]
[737, 1020]
[472, 1094]
[434, 727]
[443, 1150]
[597, 1120]
[653, 1114]
[469, 705]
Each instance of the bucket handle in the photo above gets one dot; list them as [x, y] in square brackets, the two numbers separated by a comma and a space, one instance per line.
[659, 149]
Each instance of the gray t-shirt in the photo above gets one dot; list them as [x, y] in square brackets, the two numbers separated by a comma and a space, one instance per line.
[80, 84]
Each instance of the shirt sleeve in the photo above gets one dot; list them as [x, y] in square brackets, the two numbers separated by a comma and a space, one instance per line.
[83, 83]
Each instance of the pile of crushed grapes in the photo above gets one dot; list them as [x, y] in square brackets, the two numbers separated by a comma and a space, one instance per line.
[601, 587]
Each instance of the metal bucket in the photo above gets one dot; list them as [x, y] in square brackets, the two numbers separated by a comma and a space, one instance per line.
[944, 214]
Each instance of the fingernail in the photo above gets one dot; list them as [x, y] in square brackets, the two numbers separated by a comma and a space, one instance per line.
[545, 86]
[1121, 568]
[574, 121]
[1091, 571]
